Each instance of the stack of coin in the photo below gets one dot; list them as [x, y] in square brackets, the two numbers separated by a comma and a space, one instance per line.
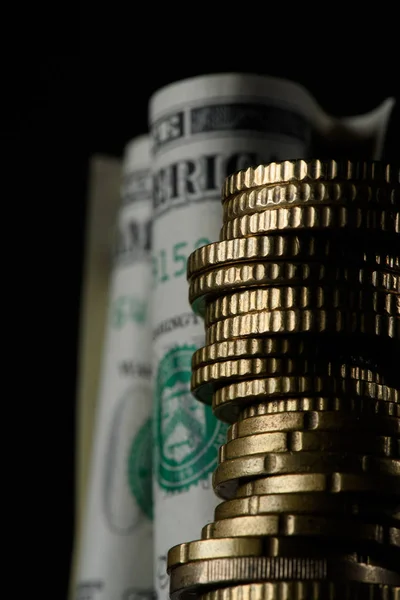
[301, 302]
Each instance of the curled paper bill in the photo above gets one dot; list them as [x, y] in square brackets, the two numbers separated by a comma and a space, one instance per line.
[359, 137]
[116, 558]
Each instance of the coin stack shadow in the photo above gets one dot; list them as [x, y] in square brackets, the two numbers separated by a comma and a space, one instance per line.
[301, 305]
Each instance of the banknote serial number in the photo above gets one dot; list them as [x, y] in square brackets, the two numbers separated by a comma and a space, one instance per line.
[170, 263]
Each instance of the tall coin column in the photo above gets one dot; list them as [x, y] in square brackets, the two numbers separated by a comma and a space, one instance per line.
[301, 301]
[117, 550]
[202, 129]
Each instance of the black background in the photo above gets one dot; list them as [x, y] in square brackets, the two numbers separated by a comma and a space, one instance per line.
[69, 106]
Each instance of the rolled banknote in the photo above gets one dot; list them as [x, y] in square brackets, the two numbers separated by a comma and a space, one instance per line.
[116, 558]
[357, 137]
[202, 129]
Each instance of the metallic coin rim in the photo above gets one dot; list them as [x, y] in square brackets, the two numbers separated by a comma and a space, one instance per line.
[299, 590]
[242, 276]
[299, 297]
[309, 421]
[195, 576]
[266, 347]
[229, 401]
[311, 218]
[285, 524]
[290, 321]
[351, 407]
[311, 170]
[206, 549]
[303, 193]
[297, 441]
[207, 379]
[282, 247]
[315, 502]
[332, 483]
[229, 475]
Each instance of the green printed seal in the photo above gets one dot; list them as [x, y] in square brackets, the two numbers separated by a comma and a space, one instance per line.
[140, 469]
[187, 434]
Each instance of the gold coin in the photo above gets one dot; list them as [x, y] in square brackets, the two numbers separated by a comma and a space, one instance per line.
[225, 280]
[229, 475]
[326, 346]
[300, 193]
[305, 590]
[333, 483]
[312, 170]
[301, 297]
[317, 503]
[303, 321]
[317, 421]
[310, 441]
[358, 406]
[206, 549]
[287, 247]
[206, 379]
[276, 347]
[300, 526]
[313, 218]
[189, 580]
[228, 401]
